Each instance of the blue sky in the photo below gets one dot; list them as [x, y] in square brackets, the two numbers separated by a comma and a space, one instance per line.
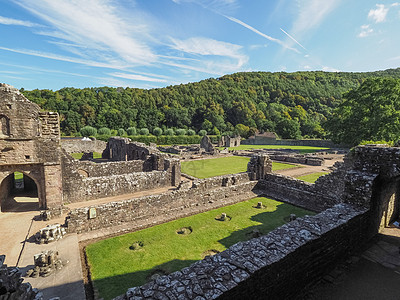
[154, 43]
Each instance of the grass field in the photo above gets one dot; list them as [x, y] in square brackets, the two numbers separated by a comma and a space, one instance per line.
[301, 149]
[206, 168]
[312, 177]
[115, 267]
[79, 155]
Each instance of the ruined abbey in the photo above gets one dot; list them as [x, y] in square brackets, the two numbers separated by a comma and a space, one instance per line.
[352, 203]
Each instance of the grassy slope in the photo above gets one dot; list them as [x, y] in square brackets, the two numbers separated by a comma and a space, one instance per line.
[206, 168]
[312, 177]
[114, 267]
[301, 149]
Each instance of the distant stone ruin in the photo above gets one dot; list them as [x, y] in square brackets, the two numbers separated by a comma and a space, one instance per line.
[206, 144]
[50, 233]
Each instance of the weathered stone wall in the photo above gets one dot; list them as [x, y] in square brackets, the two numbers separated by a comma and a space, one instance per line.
[275, 266]
[77, 145]
[150, 210]
[286, 261]
[11, 286]
[312, 143]
[30, 143]
[85, 180]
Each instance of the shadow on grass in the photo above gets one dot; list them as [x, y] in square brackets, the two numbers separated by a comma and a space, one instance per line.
[111, 287]
[269, 220]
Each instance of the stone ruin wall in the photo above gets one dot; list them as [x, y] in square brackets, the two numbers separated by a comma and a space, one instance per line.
[77, 145]
[30, 143]
[270, 267]
[86, 180]
[203, 195]
[283, 263]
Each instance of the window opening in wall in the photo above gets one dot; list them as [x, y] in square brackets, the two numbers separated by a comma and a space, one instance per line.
[4, 126]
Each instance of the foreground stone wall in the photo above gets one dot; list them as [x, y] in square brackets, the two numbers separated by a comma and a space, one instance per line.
[146, 211]
[77, 145]
[11, 286]
[283, 263]
[274, 266]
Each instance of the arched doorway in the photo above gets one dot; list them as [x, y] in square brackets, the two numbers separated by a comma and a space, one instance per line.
[19, 193]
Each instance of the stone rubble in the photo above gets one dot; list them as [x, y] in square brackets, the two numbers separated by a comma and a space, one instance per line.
[50, 233]
[46, 263]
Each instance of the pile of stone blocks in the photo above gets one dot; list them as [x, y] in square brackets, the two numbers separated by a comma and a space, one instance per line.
[46, 263]
[11, 286]
[50, 233]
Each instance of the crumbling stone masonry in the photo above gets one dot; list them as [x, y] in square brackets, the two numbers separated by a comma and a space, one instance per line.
[283, 263]
[11, 286]
[29, 143]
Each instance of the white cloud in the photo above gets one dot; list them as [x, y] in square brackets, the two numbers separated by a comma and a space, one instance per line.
[98, 26]
[206, 46]
[311, 14]
[9, 21]
[270, 38]
[329, 69]
[366, 30]
[378, 15]
[220, 6]
[137, 77]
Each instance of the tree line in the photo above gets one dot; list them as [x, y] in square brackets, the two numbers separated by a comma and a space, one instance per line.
[294, 105]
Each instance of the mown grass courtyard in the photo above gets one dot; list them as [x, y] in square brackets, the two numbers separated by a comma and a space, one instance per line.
[311, 178]
[119, 263]
[205, 168]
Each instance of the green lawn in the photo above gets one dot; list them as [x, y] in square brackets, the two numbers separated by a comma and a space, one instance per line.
[114, 267]
[301, 149]
[79, 155]
[312, 177]
[205, 168]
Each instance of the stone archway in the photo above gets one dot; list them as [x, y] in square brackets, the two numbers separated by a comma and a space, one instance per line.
[19, 193]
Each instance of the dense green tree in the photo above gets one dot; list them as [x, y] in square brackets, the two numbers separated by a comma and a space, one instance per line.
[144, 131]
[131, 131]
[157, 131]
[88, 131]
[370, 112]
[202, 132]
[121, 132]
[259, 100]
[104, 131]
[169, 132]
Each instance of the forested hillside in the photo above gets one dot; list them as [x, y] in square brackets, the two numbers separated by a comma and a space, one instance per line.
[293, 105]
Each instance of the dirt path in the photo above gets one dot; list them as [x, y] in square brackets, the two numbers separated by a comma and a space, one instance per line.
[307, 169]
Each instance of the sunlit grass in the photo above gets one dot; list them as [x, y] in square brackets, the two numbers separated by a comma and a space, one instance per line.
[79, 155]
[312, 177]
[206, 168]
[115, 268]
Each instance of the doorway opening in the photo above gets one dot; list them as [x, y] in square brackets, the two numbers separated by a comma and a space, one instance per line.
[19, 193]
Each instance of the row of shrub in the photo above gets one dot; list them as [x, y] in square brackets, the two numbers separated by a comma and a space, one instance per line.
[132, 131]
[163, 139]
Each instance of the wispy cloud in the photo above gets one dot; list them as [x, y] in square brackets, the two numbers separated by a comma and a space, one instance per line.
[366, 30]
[207, 46]
[10, 21]
[378, 15]
[136, 77]
[219, 6]
[97, 25]
[64, 58]
[329, 69]
[311, 14]
[270, 38]
[293, 38]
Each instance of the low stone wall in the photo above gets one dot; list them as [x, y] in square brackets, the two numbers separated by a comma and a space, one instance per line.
[310, 143]
[150, 210]
[77, 145]
[296, 192]
[275, 266]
